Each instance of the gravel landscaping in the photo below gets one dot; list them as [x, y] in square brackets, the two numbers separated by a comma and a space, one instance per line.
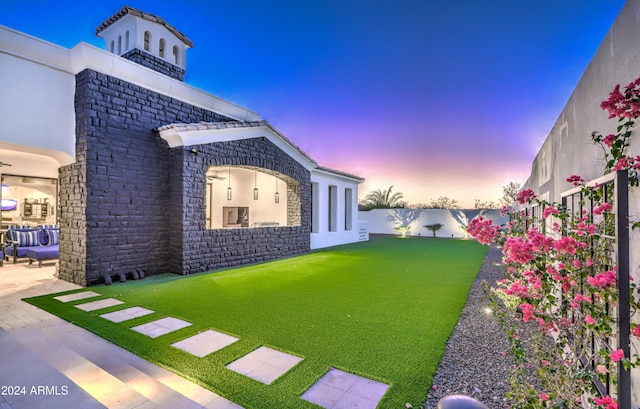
[476, 362]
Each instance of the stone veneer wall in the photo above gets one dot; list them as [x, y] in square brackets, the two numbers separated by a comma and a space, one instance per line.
[207, 249]
[157, 64]
[131, 202]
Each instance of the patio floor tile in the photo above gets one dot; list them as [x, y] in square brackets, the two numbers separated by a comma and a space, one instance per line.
[160, 327]
[342, 390]
[100, 304]
[127, 314]
[264, 364]
[76, 296]
[205, 343]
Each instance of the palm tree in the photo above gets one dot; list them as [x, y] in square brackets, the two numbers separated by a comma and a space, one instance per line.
[383, 199]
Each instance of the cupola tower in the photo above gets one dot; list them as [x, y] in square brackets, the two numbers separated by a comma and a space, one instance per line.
[147, 40]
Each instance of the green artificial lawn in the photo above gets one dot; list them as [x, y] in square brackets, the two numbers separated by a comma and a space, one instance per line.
[383, 309]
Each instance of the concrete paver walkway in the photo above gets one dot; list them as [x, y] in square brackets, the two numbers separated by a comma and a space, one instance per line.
[341, 390]
[40, 350]
[205, 343]
[264, 364]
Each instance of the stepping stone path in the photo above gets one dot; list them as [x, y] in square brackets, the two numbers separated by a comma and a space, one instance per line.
[338, 389]
[100, 304]
[335, 390]
[76, 296]
[127, 314]
[205, 343]
[264, 364]
[154, 329]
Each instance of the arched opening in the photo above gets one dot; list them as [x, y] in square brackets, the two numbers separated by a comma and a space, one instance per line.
[112, 47]
[176, 55]
[126, 41]
[119, 45]
[161, 46]
[147, 41]
[250, 197]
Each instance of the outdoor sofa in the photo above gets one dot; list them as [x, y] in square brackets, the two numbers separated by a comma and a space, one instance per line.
[35, 244]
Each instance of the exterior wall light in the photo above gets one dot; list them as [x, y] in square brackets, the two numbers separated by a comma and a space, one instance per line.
[255, 184]
[229, 185]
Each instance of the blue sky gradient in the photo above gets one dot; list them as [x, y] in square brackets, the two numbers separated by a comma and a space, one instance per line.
[436, 98]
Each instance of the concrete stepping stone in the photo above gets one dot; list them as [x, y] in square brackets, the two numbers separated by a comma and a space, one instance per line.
[100, 304]
[127, 314]
[154, 329]
[205, 343]
[76, 296]
[264, 364]
[338, 389]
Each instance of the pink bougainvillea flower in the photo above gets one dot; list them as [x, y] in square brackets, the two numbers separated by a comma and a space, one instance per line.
[609, 139]
[605, 207]
[607, 402]
[575, 180]
[636, 331]
[566, 244]
[576, 263]
[623, 163]
[525, 196]
[544, 396]
[580, 298]
[602, 280]
[601, 369]
[616, 355]
[527, 311]
[518, 250]
[549, 210]
[589, 319]
[483, 230]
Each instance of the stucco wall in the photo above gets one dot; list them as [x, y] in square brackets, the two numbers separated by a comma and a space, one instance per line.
[347, 229]
[36, 103]
[384, 221]
[568, 149]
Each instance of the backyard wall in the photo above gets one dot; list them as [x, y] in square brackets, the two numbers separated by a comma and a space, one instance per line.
[384, 221]
[568, 148]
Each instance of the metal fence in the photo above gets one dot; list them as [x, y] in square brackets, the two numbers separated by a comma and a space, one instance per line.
[615, 232]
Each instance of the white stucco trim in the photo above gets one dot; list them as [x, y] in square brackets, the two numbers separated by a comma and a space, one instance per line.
[177, 137]
[84, 56]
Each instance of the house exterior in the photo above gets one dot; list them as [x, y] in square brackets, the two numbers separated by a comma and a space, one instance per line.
[154, 174]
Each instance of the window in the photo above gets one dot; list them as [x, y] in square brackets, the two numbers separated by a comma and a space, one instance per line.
[161, 47]
[230, 204]
[113, 46]
[176, 55]
[333, 208]
[315, 208]
[126, 41]
[119, 45]
[147, 41]
[348, 209]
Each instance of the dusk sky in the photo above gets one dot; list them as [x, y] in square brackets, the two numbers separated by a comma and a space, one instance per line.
[437, 98]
